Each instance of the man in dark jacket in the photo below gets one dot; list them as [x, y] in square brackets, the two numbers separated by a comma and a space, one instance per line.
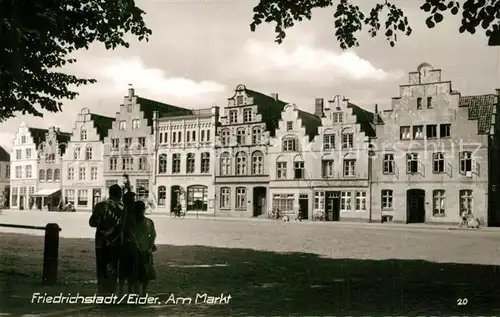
[107, 218]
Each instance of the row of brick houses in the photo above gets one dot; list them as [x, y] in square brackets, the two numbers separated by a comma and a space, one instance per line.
[427, 159]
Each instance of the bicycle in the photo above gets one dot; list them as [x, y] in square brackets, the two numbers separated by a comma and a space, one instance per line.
[178, 214]
[318, 216]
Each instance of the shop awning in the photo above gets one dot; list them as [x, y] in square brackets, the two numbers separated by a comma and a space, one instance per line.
[46, 192]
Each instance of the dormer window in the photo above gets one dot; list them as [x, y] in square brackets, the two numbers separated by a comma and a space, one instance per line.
[337, 117]
[233, 116]
[239, 100]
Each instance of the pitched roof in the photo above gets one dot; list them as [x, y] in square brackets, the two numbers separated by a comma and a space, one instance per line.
[269, 108]
[365, 118]
[38, 135]
[148, 107]
[4, 155]
[102, 124]
[481, 108]
[310, 122]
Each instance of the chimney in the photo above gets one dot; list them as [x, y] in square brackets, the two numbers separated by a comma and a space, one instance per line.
[130, 91]
[274, 95]
[376, 108]
[318, 109]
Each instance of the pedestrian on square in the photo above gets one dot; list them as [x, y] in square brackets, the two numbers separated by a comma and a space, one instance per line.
[106, 218]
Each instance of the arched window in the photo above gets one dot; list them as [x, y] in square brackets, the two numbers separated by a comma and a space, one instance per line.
[240, 136]
[41, 175]
[225, 164]
[257, 163]
[162, 196]
[162, 167]
[349, 165]
[347, 138]
[289, 144]
[298, 167]
[57, 175]
[256, 135]
[225, 138]
[49, 174]
[197, 197]
[88, 152]
[241, 163]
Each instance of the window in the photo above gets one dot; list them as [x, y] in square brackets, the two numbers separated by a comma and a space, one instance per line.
[123, 125]
[202, 139]
[388, 164]
[162, 164]
[110, 182]
[197, 198]
[239, 100]
[142, 142]
[233, 116]
[431, 131]
[82, 197]
[438, 203]
[256, 135]
[115, 144]
[429, 102]
[349, 167]
[49, 175]
[283, 202]
[83, 134]
[347, 140]
[465, 162]
[240, 136]
[128, 143]
[281, 170]
[419, 103]
[225, 197]
[7, 171]
[28, 171]
[225, 164]
[81, 173]
[345, 201]
[179, 137]
[31, 191]
[438, 162]
[418, 132]
[412, 163]
[188, 137]
[176, 163]
[160, 135]
[319, 200]
[241, 163]
[28, 153]
[93, 172]
[174, 137]
[247, 115]
[327, 167]
[289, 125]
[76, 153]
[143, 163]
[386, 199]
[241, 198]
[88, 153]
[404, 133]
[50, 158]
[135, 124]
[190, 163]
[71, 173]
[23, 139]
[18, 154]
[57, 175]
[162, 195]
[337, 117]
[445, 130]
[113, 163]
[289, 145]
[127, 163]
[142, 186]
[41, 175]
[225, 137]
[208, 135]
[257, 163]
[466, 201]
[193, 136]
[298, 170]
[205, 162]
[360, 201]
[129, 107]
[328, 142]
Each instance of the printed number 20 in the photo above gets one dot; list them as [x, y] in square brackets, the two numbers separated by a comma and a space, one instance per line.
[462, 301]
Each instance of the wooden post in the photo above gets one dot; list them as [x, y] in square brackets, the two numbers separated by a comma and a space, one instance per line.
[51, 254]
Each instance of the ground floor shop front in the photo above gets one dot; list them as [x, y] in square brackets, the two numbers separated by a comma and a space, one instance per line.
[20, 193]
[82, 198]
[241, 200]
[192, 195]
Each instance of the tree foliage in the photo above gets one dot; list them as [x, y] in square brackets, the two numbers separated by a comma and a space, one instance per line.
[38, 38]
[349, 19]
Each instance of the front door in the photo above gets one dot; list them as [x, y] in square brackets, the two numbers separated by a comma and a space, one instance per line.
[96, 196]
[415, 206]
[175, 192]
[21, 202]
[259, 200]
[304, 207]
[332, 206]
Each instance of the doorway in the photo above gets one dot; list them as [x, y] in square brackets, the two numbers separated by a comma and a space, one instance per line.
[96, 196]
[22, 199]
[332, 212]
[175, 192]
[304, 206]
[415, 206]
[259, 200]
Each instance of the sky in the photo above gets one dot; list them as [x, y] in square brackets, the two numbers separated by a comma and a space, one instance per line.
[201, 50]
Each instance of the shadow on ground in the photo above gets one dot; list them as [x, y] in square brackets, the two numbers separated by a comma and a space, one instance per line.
[260, 283]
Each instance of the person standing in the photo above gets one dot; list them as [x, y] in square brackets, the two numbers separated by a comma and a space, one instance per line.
[107, 218]
[145, 235]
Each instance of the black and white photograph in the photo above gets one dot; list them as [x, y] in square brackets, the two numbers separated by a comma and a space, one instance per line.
[249, 158]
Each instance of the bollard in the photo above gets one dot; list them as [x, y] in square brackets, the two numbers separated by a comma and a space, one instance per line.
[51, 253]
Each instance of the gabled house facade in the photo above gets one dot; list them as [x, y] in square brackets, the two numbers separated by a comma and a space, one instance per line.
[431, 153]
[4, 178]
[185, 159]
[241, 168]
[82, 163]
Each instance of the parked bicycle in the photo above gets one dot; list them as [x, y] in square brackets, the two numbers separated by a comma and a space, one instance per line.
[469, 221]
[275, 214]
[318, 216]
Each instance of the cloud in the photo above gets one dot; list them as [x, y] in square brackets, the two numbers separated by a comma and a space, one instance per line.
[305, 63]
